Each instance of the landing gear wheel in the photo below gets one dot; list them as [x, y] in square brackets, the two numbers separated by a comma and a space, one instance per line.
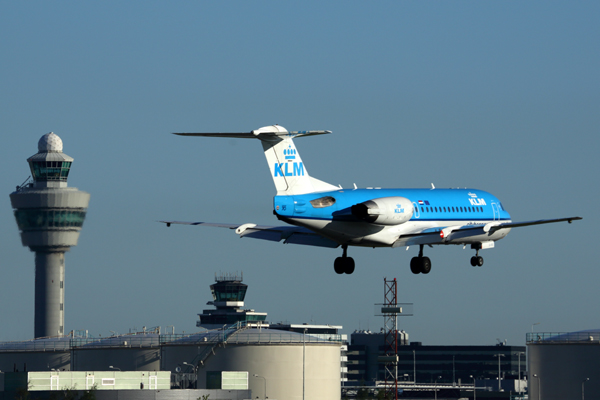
[425, 265]
[415, 265]
[349, 265]
[420, 264]
[344, 264]
[477, 260]
[338, 265]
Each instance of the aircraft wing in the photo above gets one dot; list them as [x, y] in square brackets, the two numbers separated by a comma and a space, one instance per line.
[495, 228]
[442, 235]
[289, 234]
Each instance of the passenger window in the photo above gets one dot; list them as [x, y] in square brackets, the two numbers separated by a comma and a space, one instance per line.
[422, 210]
[436, 209]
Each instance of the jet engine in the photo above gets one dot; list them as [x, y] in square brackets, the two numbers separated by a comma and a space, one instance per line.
[384, 210]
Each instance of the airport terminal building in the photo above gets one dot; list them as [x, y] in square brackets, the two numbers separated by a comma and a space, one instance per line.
[426, 364]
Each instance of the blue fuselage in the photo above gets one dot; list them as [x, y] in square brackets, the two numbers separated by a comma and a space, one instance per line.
[330, 213]
[437, 204]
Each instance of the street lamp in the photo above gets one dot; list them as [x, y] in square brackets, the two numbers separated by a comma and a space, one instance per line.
[303, 365]
[519, 362]
[583, 387]
[414, 367]
[499, 377]
[474, 388]
[453, 372]
[194, 371]
[258, 376]
[436, 379]
[538, 378]
[535, 323]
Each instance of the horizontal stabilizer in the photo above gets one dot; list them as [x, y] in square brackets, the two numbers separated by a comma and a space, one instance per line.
[255, 134]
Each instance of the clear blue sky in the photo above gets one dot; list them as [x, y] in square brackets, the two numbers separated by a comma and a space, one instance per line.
[500, 96]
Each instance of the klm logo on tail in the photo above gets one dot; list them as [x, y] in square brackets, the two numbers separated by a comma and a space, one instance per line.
[289, 153]
[289, 168]
[284, 169]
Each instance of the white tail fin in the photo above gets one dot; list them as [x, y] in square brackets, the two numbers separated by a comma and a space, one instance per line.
[287, 169]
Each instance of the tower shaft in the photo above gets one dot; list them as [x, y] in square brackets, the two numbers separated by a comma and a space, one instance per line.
[49, 319]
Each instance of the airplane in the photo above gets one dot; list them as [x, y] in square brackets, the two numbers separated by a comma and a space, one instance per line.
[321, 214]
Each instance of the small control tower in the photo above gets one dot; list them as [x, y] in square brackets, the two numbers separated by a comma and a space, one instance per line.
[49, 215]
[228, 295]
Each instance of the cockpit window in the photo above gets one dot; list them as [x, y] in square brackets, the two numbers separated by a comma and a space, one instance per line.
[323, 202]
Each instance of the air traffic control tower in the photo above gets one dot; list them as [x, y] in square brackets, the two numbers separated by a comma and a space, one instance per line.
[49, 215]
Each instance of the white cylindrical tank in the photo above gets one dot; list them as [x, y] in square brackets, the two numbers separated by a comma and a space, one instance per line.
[283, 363]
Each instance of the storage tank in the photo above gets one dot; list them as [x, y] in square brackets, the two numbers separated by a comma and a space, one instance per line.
[280, 364]
[564, 365]
[133, 352]
[36, 355]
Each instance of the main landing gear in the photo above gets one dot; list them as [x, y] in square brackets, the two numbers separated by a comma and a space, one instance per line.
[344, 264]
[477, 260]
[420, 264]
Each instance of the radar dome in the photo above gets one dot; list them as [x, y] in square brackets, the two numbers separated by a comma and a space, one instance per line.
[50, 142]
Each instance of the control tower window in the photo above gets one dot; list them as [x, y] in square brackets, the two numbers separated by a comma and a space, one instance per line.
[228, 291]
[323, 202]
[50, 170]
[33, 218]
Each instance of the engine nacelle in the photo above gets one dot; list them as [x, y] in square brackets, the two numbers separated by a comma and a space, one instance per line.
[384, 210]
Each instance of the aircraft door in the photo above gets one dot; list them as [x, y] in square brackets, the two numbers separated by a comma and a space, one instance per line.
[496, 210]
[416, 213]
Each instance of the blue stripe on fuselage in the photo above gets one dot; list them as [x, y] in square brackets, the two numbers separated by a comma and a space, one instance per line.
[443, 204]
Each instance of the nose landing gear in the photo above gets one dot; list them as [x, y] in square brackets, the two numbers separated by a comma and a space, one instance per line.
[344, 264]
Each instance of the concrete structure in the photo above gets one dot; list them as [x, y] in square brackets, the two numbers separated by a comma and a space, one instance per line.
[50, 216]
[560, 365]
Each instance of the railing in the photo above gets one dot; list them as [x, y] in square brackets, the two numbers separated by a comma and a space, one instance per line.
[234, 334]
[117, 341]
[35, 345]
[592, 337]
[278, 338]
